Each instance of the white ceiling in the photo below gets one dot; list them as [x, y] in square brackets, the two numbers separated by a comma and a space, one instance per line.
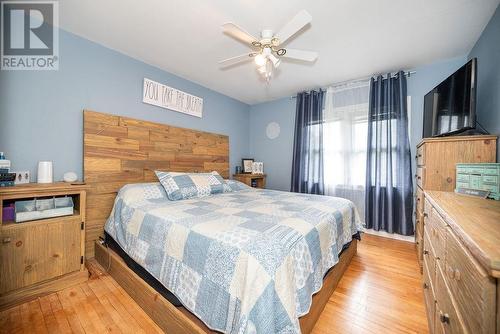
[354, 38]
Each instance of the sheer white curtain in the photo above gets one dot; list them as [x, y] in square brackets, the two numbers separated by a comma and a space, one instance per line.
[345, 132]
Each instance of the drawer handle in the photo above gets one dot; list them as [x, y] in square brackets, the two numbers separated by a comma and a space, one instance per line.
[425, 285]
[418, 199]
[6, 240]
[444, 317]
[426, 215]
[426, 252]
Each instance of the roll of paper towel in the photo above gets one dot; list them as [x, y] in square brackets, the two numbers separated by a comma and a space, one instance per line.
[44, 172]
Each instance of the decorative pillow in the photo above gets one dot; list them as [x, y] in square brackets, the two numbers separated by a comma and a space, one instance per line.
[233, 185]
[190, 185]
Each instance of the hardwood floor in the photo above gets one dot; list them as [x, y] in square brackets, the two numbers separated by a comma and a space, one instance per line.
[96, 306]
[380, 293]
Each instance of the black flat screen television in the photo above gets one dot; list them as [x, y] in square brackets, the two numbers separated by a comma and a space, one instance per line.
[450, 108]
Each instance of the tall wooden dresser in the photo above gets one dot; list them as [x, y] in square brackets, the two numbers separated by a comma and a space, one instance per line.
[436, 159]
[461, 263]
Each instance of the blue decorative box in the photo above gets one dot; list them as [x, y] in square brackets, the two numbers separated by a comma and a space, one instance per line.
[481, 176]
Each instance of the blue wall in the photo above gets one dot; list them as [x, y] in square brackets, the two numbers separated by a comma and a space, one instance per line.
[41, 112]
[277, 153]
[487, 51]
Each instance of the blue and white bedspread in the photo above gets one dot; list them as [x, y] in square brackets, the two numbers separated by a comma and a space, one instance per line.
[247, 261]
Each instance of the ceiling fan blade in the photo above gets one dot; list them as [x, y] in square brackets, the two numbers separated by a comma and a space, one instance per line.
[301, 55]
[238, 33]
[292, 27]
[236, 59]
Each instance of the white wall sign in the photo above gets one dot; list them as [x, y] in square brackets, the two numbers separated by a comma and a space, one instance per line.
[167, 97]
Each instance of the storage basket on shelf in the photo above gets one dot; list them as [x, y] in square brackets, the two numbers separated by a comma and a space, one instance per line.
[43, 208]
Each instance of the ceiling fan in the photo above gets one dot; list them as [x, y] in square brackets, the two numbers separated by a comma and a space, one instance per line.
[268, 50]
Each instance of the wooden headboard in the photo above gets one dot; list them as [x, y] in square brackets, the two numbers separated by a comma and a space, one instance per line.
[119, 150]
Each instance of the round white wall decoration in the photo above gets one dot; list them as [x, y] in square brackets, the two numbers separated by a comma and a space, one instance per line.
[273, 130]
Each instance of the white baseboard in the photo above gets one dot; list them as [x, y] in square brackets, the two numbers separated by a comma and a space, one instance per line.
[410, 238]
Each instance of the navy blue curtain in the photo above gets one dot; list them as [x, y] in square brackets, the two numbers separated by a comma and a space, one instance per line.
[389, 188]
[307, 164]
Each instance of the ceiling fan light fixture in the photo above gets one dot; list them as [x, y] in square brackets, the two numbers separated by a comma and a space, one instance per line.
[260, 60]
[267, 51]
[262, 69]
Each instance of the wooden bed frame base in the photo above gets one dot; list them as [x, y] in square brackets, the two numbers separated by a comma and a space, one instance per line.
[178, 319]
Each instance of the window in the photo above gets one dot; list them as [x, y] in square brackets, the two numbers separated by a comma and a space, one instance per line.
[345, 132]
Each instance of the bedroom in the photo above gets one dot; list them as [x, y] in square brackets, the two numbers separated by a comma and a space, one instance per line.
[151, 182]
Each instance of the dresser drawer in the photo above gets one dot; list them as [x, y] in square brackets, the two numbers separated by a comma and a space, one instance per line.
[437, 230]
[427, 208]
[430, 303]
[429, 259]
[420, 155]
[420, 176]
[472, 288]
[419, 199]
[419, 243]
[419, 223]
[447, 318]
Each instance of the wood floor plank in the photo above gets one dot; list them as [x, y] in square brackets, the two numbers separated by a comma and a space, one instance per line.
[15, 322]
[380, 293]
[71, 313]
[48, 316]
[135, 311]
[101, 292]
[119, 306]
[4, 320]
[36, 317]
[105, 317]
[28, 326]
[89, 312]
[59, 314]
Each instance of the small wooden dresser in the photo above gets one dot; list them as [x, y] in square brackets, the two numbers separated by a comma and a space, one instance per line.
[436, 169]
[461, 263]
[41, 256]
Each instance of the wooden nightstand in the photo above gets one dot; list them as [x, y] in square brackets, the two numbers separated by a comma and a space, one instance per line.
[41, 256]
[259, 179]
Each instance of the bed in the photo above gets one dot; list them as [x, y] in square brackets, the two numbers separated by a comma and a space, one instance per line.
[243, 261]
[246, 261]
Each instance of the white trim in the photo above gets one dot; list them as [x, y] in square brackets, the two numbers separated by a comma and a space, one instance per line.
[390, 235]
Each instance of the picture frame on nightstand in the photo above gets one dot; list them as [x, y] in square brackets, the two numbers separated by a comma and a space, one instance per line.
[258, 168]
[246, 164]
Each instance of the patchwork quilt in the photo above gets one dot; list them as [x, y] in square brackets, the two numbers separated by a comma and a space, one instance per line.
[245, 261]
